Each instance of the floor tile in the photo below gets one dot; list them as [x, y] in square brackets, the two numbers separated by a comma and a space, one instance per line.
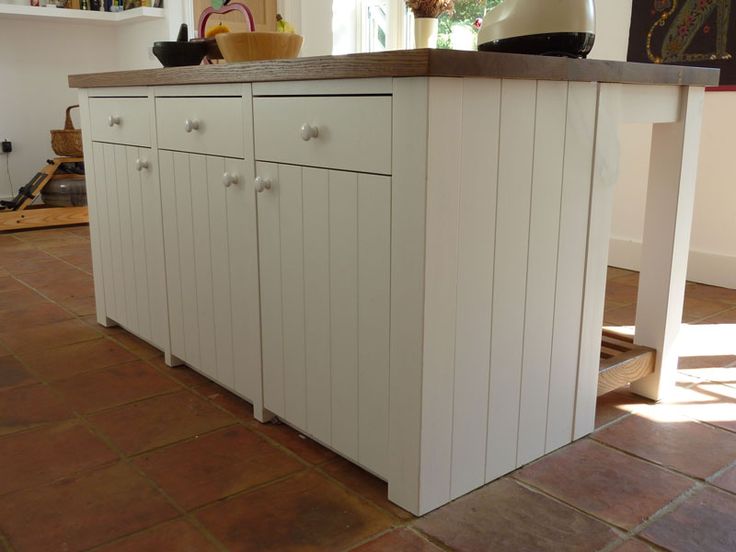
[614, 272]
[711, 293]
[727, 480]
[25, 407]
[77, 358]
[240, 408]
[11, 300]
[32, 315]
[705, 522]
[695, 309]
[634, 545]
[136, 346]
[42, 263]
[398, 540]
[48, 336]
[83, 511]
[708, 402]
[9, 284]
[725, 317]
[69, 288]
[43, 455]
[58, 276]
[80, 306]
[368, 486]
[304, 512]
[13, 374]
[608, 484]
[92, 391]
[504, 516]
[660, 436]
[159, 421]
[622, 316]
[173, 536]
[304, 447]
[616, 404]
[618, 293]
[217, 465]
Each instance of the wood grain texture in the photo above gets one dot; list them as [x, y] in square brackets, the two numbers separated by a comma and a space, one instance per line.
[409, 63]
[623, 362]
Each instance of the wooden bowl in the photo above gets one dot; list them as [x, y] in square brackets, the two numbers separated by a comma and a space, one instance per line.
[258, 46]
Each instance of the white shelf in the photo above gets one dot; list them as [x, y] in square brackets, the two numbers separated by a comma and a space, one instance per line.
[26, 12]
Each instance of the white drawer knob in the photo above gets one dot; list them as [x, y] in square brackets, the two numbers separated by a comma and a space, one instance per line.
[308, 132]
[141, 164]
[191, 124]
[113, 120]
[262, 184]
[228, 179]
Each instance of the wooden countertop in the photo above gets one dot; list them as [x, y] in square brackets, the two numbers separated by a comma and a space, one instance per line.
[409, 63]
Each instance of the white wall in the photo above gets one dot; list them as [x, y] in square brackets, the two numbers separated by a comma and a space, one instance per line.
[713, 243]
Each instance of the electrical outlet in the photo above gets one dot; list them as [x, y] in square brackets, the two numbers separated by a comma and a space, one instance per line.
[7, 146]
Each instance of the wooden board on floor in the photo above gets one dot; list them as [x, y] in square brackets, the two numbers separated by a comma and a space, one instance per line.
[622, 362]
[42, 217]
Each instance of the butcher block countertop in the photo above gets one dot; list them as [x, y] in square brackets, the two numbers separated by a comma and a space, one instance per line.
[409, 63]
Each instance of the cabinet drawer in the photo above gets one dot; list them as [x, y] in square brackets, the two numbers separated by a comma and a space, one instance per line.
[211, 126]
[120, 121]
[350, 133]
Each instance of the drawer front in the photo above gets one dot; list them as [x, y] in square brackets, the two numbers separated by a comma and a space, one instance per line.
[120, 121]
[350, 133]
[211, 126]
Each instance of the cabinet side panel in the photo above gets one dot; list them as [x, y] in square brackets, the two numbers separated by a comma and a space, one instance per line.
[292, 293]
[317, 302]
[218, 222]
[516, 158]
[123, 181]
[185, 232]
[242, 240]
[440, 299]
[374, 297]
[269, 254]
[478, 176]
[408, 203]
[116, 244]
[102, 224]
[344, 310]
[138, 236]
[172, 246]
[579, 140]
[549, 150]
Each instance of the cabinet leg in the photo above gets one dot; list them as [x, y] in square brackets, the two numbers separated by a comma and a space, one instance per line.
[172, 361]
[106, 322]
[262, 415]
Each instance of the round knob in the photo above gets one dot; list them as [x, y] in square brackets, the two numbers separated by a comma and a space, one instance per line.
[113, 120]
[228, 179]
[141, 164]
[308, 132]
[262, 184]
[191, 124]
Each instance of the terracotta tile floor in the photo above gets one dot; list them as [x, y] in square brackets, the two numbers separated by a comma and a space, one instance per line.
[103, 447]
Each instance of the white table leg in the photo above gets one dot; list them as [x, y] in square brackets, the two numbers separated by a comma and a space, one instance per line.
[669, 213]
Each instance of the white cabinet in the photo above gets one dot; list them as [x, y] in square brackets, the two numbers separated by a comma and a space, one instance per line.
[325, 249]
[128, 218]
[209, 218]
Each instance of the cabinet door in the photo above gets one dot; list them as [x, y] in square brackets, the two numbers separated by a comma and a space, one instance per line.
[129, 212]
[212, 267]
[324, 248]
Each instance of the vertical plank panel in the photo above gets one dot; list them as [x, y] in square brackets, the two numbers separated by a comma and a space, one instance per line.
[316, 221]
[518, 99]
[116, 244]
[203, 264]
[549, 150]
[579, 140]
[476, 234]
[153, 231]
[242, 240]
[138, 240]
[292, 293]
[102, 187]
[408, 214]
[185, 231]
[222, 315]
[173, 247]
[344, 310]
[269, 253]
[374, 307]
[126, 235]
[443, 197]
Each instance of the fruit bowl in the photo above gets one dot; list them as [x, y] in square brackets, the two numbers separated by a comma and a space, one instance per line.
[254, 46]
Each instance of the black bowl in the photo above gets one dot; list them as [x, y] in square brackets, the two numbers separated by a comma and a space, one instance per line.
[179, 54]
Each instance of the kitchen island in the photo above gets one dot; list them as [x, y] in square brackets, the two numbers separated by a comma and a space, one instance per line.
[403, 255]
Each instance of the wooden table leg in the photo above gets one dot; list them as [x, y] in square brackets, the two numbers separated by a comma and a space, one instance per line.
[669, 213]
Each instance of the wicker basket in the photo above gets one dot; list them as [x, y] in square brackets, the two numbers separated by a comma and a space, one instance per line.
[67, 142]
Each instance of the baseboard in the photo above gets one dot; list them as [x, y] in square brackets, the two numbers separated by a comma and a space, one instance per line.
[707, 268]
